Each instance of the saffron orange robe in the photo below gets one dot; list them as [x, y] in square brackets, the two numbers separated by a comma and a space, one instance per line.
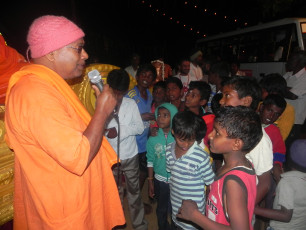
[10, 62]
[45, 121]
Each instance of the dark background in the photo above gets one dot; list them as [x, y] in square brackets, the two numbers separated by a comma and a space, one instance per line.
[153, 28]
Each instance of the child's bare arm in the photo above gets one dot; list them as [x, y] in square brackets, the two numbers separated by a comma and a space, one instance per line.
[283, 214]
[236, 205]
[189, 211]
[263, 186]
[147, 116]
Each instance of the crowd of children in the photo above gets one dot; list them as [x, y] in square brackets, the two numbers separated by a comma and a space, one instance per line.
[223, 138]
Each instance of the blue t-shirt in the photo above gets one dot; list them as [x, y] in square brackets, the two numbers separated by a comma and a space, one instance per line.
[144, 106]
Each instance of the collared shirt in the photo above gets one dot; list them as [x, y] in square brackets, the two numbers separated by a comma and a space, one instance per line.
[144, 106]
[189, 174]
[130, 69]
[130, 125]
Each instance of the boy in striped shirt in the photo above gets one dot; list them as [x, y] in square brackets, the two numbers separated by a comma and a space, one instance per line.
[188, 164]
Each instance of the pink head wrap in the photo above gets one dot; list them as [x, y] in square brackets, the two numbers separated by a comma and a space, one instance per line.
[49, 33]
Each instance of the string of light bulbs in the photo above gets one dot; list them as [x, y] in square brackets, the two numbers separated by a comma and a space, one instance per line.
[192, 4]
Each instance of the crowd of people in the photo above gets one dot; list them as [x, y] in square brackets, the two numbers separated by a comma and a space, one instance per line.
[218, 149]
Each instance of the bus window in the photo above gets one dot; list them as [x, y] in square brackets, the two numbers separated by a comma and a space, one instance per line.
[263, 49]
[303, 28]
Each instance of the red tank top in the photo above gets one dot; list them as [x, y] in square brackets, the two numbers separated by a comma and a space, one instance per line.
[214, 206]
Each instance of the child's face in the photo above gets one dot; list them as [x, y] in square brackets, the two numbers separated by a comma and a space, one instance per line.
[212, 78]
[193, 99]
[230, 98]
[159, 95]
[269, 113]
[144, 79]
[219, 141]
[173, 92]
[163, 118]
[184, 144]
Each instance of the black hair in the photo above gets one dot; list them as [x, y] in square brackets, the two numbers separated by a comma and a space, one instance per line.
[188, 125]
[215, 102]
[160, 84]
[118, 79]
[245, 86]
[181, 60]
[145, 68]
[203, 87]
[296, 61]
[274, 83]
[241, 122]
[174, 80]
[275, 99]
[134, 55]
[235, 61]
[221, 69]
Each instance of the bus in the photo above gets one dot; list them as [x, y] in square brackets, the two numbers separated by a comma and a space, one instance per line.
[260, 49]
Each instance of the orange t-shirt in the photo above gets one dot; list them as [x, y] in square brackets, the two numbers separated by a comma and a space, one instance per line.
[53, 189]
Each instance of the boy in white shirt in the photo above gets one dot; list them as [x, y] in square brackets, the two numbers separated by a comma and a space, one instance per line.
[130, 125]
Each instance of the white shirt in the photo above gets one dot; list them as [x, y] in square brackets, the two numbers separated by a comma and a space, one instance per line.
[297, 83]
[185, 79]
[130, 125]
[262, 155]
[131, 71]
[196, 73]
[290, 193]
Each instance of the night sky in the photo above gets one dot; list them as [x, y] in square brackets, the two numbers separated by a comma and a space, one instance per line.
[153, 28]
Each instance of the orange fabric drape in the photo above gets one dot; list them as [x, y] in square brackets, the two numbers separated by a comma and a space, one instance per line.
[96, 203]
[10, 62]
[69, 94]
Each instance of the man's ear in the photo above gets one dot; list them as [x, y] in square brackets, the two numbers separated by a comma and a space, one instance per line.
[50, 56]
[203, 102]
[238, 144]
[172, 132]
[247, 101]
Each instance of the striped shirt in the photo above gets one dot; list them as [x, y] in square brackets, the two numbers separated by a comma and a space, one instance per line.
[189, 174]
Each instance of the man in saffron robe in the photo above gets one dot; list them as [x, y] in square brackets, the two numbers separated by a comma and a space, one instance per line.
[63, 177]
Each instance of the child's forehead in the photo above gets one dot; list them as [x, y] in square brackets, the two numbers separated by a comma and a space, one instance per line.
[158, 88]
[183, 137]
[194, 90]
[145, 72]
[217, 125]
[228, 88]
[163, 110]
[172, 85]
[271, 106]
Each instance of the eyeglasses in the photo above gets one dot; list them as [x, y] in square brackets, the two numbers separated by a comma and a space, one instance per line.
[78, 49]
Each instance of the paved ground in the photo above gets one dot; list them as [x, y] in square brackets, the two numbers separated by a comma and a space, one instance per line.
[151, 218]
